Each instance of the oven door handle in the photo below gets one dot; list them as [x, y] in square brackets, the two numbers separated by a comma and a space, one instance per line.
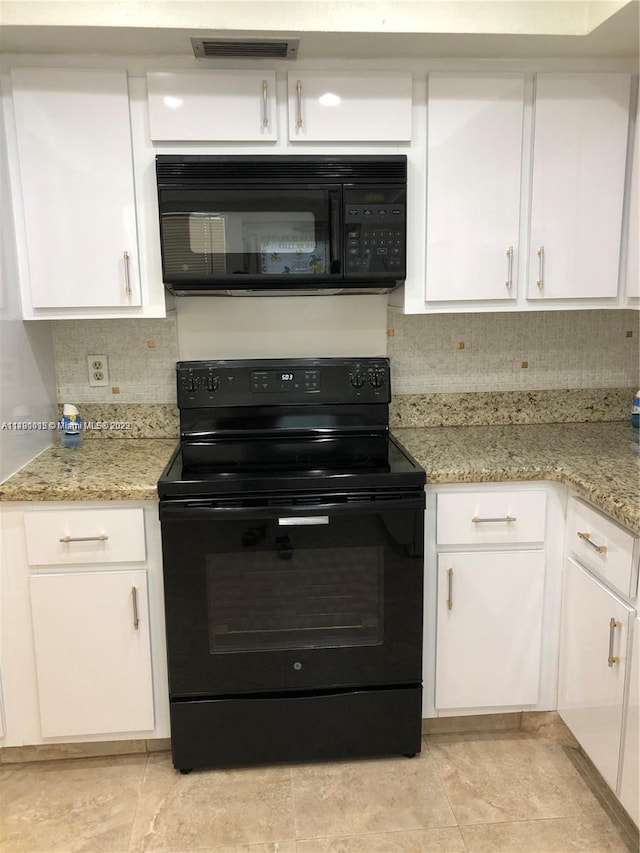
[303, 520]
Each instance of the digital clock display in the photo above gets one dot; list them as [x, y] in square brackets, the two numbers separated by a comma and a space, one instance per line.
[286, 377]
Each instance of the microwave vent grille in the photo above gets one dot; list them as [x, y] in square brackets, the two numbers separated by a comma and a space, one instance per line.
[245, 48]
[176, 171]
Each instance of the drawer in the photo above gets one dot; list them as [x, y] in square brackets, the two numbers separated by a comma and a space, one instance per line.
[603, 546]
[478, 518]
[84, 536]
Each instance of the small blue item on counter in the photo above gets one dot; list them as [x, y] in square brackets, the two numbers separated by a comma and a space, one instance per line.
[71, 426]
[635, 410]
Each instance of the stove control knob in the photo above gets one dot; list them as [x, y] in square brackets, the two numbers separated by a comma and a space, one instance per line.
[190, 384]
[213, 383]
[357, 380]
[378, 378]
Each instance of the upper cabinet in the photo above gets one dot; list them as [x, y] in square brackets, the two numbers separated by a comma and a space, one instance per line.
[579, 160]
[350, 107]
[633, 247]
[474, 163]
[212, 106]
[75, 208]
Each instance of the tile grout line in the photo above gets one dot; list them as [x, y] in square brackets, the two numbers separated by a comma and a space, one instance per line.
[443, 786]
[135, 812]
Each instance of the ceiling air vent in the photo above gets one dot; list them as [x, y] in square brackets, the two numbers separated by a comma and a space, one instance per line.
[245, 48]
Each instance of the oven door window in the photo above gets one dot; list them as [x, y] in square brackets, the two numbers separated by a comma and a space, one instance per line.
[246, 232]
[295, 598]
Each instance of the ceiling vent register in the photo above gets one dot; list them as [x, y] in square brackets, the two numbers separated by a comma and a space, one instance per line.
[245, 48]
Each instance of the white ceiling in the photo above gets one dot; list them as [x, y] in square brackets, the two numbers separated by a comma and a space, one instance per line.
[334, 28]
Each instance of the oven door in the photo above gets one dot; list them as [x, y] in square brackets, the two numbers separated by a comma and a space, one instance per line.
[233, 237]
[293, 597]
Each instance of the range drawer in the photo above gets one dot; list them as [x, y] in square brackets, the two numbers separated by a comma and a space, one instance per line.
[602, 545]
[478, 518]
[85, 536]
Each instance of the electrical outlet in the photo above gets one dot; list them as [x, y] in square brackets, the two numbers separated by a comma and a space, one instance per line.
[98, 370]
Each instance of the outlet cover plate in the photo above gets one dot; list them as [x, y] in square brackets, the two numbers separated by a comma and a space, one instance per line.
[98, 371]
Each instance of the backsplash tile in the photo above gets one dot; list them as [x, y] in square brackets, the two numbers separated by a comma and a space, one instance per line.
[562, 349]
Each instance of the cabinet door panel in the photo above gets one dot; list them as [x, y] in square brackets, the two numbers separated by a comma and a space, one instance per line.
[590, 692]
[76, 173]
[93, 663]
[212, 106]
[579, 158]
[488, 639]
[473, 185]
[630, 777]
[350, 107]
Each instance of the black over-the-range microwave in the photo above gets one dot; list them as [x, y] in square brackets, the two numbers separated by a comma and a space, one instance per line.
[260, 225]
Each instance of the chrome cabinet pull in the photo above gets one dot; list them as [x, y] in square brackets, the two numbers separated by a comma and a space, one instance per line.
[450, 589]
[100, 538]
[477, 520]
[540, 281]
[509, 280]
[265, 112]
[303, 520]
[613, 624]
[127, 279]
[586, 537]
[134, 599]
[299, 102]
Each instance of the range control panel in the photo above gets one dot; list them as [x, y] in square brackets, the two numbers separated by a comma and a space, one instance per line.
[260, 382]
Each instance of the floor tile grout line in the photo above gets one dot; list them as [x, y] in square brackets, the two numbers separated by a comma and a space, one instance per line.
[293, 806]
[135, 811]
[443, 786]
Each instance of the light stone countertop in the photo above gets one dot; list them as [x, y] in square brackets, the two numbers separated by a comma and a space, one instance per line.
[600, 461]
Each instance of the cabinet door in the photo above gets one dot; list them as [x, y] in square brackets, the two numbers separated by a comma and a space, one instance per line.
[489, 629]
[473, 185]
[630, 778]
[579, 158]
[76, 173]
[91, 635]
[591, 683]
[633, 246]
[212, 106]
[355, 107]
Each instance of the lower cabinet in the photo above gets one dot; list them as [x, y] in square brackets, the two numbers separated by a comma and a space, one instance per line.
[93, 657]
[593, 663]
[489, 617]
[630, 772]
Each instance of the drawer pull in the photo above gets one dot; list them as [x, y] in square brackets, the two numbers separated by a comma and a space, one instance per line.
[477, 520]
[299, 103]
[265, 104]
[134, 599]
[450, 589]
[586, 537]
[613, 624]
[101, 538]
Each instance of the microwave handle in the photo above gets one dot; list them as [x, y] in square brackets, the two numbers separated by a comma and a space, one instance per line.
[334, 232]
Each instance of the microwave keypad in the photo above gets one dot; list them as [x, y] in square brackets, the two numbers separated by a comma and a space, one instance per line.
[375, 238]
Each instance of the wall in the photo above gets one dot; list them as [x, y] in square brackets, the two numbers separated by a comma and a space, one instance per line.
[27, 378]
[563, 349]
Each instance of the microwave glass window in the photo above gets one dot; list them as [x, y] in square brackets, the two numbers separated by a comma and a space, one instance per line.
[291, 237]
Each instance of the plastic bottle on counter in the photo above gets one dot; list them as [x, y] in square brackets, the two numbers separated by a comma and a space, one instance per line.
[635, 410]
[71, 426]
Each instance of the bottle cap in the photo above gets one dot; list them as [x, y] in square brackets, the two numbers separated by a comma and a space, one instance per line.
[68, 409]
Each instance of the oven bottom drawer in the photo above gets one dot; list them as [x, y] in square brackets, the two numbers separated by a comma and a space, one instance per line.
[358, 724]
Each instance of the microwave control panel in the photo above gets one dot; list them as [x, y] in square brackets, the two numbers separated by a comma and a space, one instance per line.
[375, 232]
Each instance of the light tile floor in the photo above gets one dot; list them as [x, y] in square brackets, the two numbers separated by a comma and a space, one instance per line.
[508, 792]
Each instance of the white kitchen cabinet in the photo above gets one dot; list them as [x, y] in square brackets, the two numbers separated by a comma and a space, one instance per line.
[93, 659]
[474, 167]
[633, 245]
[350, 107]
[212, 106]
[593, 663]
[629, 792]
[489, 629]
[77, 190]
[579, 161]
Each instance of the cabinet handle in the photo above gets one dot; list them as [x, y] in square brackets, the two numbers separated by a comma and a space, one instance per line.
[540, 281]
[509, 280]
[299, 103]
[134, 599]
[477, 520]
[100, 538]
[586, 537]
[265, 112]
[450, 589]
[127, 279]
[613, 624]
